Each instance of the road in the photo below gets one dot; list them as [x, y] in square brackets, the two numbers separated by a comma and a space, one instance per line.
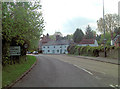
[67, 71]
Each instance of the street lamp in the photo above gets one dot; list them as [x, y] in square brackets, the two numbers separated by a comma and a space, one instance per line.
[104, 30]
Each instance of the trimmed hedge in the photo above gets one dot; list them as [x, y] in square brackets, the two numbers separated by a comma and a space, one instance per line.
[88, 50]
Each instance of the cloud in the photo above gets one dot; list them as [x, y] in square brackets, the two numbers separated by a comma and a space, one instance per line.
[67, 15]
[78, 22]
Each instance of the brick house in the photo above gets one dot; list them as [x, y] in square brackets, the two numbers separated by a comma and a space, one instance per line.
[43, 40]
[88, 42]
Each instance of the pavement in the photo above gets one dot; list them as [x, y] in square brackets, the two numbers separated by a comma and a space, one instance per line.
[101, 59]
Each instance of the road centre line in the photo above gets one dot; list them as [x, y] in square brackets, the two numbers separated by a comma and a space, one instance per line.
[84, 69]
[79, 67]
[116, 86]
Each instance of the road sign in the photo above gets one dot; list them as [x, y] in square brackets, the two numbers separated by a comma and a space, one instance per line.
[15, 51]
[26, 46]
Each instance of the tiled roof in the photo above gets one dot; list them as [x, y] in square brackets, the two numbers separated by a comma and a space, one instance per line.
[58, 42]
[87, 41]
[45, 39]
[117, 37]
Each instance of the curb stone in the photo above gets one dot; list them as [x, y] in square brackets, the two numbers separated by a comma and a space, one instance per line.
[99, 60]
[95, 59]
[23, 75]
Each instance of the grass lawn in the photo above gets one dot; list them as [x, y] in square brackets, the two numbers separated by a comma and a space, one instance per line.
[11, 72]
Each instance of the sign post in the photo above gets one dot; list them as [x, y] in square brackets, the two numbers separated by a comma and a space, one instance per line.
[15, 52]
[25, 46]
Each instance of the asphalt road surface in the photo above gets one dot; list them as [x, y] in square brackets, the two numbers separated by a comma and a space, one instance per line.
[65, 71]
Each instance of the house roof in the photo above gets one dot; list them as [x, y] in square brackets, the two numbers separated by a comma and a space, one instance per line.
[45, 39]
[116, 37]
[58, 42]
[87, 41]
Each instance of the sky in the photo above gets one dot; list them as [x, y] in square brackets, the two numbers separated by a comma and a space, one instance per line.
[67, 15]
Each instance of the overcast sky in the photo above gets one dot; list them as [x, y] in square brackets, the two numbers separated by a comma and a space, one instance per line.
[67, 15]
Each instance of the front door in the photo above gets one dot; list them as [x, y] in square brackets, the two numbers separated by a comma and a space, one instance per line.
[60, 51]
[53, 51]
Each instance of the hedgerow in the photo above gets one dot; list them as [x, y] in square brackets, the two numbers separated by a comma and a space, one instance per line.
[88, 50]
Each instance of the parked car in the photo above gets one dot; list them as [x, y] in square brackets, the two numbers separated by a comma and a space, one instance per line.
[28, 52]
[35, 52]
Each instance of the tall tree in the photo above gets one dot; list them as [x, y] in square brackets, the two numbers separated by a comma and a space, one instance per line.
[69, 37]
[111, 22]
[107, 36]
[89, 33]
[78, 35]
[21, 23]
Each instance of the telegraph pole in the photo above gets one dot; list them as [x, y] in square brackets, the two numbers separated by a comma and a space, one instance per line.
[104, 30]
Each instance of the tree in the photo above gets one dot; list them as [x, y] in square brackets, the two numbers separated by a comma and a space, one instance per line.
[117, 31]
[78, 35]
[52, 37]
[69, 37]
[27, 26]
[58, 33]
[107, 37]
[89, 33]
[111, 22]
[21, 23]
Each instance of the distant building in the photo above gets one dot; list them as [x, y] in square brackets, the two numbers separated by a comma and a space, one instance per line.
[58, 46]
[116, 41]
[88, 42]
[44, 40]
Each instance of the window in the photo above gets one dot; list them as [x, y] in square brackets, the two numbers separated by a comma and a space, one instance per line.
[57, 50]
[53, 51]
[43, 46]
[54, 46]
[48, 46]
[48, 50]
[65, 46]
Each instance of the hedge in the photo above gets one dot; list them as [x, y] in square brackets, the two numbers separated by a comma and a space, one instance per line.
[88, 50]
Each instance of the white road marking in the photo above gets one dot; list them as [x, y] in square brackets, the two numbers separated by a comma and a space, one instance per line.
[103, 73]
[111, 85]
[98, 78]
[84, 69]
[116, 85]
[79, 67]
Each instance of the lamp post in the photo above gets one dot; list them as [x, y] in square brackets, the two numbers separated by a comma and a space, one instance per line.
[104, 30]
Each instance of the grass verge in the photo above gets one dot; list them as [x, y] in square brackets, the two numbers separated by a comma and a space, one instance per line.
[11, 72]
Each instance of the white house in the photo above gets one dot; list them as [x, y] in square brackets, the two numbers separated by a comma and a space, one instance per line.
[55, 47]
[88, 42]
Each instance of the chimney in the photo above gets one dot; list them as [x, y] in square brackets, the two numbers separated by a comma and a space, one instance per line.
[57, 37]
[47, 35]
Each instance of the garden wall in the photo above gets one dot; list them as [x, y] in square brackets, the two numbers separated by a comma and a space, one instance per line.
[111, 51]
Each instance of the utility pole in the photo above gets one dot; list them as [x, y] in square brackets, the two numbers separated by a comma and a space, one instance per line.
[104, 30]
[119, 14]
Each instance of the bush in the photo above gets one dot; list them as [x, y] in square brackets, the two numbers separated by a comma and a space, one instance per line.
[87, 50]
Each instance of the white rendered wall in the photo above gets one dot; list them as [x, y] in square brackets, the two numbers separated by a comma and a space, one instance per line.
[53, 50]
